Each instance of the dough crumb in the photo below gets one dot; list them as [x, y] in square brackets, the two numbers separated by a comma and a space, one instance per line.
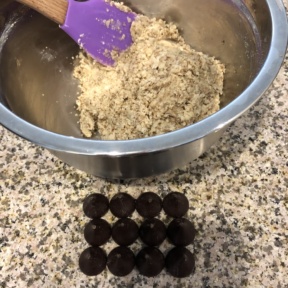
[158, 85]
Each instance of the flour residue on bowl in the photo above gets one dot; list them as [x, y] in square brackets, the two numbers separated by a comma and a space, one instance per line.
[158, 85]
[48, 54]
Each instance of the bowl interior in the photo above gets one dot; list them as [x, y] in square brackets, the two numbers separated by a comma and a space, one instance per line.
[37, 58]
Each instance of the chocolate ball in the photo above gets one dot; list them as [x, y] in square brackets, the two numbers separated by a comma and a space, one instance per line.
[122, 205]
[181, 232]
[180, 262]
[175, 204]
[150, 261]
[125, 232]
[92, 261]
[152, 232]
[121, 261]
[95, 205]
[97, 232]
[148, 205]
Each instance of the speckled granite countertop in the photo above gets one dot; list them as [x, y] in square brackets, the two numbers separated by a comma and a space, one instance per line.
[238, 194]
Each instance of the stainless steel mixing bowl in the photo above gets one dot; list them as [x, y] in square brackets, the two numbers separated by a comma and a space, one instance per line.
[38, 91]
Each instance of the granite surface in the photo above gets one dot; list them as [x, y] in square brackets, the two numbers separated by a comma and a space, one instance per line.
[238, 193]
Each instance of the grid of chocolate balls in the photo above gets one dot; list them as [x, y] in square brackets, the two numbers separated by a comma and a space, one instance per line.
[150, 261]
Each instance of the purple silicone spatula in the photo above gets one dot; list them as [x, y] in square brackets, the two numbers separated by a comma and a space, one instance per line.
[96, 25]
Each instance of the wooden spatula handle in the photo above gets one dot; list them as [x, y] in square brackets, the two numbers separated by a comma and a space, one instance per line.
[53, 9]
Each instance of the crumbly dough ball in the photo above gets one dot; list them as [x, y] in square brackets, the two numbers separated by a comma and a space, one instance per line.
[158, 85]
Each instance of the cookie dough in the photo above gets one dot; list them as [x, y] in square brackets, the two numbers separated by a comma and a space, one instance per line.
[158, 85]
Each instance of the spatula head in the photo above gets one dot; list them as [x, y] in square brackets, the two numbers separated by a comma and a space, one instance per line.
[99, 27]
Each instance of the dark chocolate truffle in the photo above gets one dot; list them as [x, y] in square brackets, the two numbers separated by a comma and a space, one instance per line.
[122, 205]
[150, 261]
[125, 232]
[180, 262]
[92, 261]
[175, 204]
[181, 232]
[149, 204]
[95, 205]
[152, 232]
[121, 261]
[97, 232]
